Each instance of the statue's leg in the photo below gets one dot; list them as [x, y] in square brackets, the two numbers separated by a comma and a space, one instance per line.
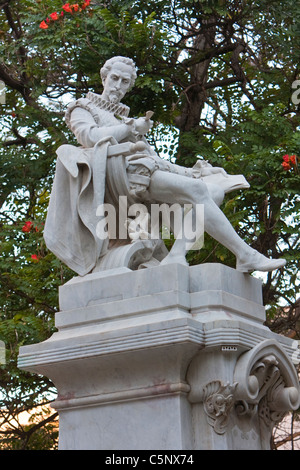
[171, 188]
[216, 193]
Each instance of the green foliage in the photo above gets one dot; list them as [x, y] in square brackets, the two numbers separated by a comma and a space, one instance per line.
[29, 280]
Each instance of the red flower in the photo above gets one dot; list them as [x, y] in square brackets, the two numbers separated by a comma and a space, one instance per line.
[75, 6]
[286, 166]
[35, 258]
[27, 226]
[293, 159]
[54, 16]
[67, 8]
[286, 158]
[85, 4]
[44, 25]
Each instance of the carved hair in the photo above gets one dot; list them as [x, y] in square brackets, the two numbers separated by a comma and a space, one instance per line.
[109, 63]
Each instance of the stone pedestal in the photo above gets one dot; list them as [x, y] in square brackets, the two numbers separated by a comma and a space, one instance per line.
[168, 357]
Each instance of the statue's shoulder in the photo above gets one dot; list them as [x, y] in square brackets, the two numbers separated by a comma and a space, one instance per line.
[83, 103]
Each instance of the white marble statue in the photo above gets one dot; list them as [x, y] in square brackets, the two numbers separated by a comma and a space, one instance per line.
[86, 177]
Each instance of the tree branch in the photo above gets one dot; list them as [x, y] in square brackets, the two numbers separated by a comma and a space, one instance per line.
[20, 140]
[221, 83]
[30, 299]
[11, 82]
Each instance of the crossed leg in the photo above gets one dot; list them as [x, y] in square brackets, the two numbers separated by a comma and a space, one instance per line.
[171, 188]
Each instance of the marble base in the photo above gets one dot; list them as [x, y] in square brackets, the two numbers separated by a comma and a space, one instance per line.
[168, 357]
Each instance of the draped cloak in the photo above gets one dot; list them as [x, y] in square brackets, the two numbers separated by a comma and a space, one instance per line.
[78, 190]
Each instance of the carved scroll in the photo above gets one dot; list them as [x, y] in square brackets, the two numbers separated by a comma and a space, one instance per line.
[267, 385]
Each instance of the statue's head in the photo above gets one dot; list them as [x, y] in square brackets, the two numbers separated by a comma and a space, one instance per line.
[118, 74]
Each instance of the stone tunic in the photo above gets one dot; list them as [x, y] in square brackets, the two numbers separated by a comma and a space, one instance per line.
[85, 116]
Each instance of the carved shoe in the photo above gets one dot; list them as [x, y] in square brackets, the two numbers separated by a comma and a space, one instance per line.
[259, 262]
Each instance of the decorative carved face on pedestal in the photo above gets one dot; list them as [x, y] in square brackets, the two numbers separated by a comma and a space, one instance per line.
[117, 82]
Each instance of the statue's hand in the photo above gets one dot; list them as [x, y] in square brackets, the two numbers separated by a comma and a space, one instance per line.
[142, 125]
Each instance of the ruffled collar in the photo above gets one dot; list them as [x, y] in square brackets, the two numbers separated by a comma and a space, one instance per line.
[118, 109]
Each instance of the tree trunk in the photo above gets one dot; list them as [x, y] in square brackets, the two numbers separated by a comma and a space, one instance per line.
[195, 93]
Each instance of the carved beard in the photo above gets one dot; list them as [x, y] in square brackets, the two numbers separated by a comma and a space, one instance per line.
[114, 97]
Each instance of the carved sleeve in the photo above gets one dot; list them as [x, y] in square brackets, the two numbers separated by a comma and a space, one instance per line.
[85, 123]
[84, 127]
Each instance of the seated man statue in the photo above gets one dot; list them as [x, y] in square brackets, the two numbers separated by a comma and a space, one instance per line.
[100, 122]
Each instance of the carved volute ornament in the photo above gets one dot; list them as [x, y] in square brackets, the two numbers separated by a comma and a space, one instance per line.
[267, 386]
[264, 387]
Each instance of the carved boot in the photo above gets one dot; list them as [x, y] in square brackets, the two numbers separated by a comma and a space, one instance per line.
[258, 262]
